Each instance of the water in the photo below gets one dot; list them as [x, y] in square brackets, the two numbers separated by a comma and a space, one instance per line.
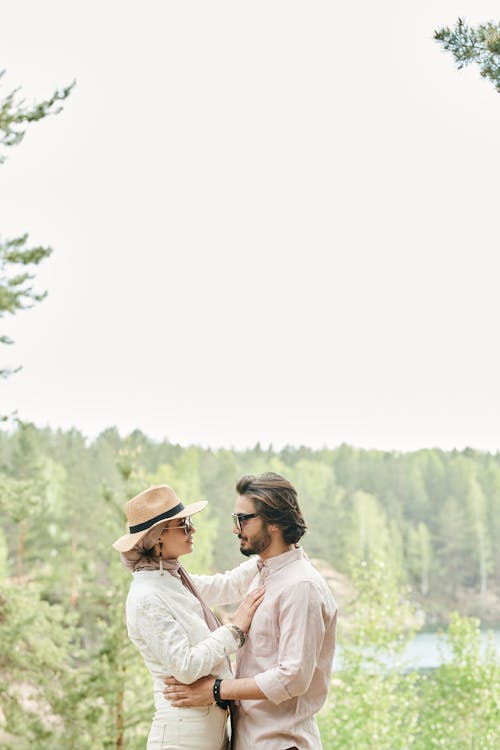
[423, 652]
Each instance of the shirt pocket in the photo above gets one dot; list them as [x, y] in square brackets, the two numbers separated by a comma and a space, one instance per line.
[263, 633]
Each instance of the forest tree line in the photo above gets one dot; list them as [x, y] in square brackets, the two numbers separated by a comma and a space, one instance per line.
[432, 516]
[414, 529]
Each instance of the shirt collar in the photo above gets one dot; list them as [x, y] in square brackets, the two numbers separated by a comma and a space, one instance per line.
[272, 564]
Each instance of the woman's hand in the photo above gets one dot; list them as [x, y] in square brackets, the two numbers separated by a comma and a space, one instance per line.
[245, 612]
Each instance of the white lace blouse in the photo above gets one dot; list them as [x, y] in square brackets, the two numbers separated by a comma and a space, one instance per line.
[165, 621]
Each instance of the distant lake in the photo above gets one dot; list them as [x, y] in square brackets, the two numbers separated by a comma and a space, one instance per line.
[423, 653]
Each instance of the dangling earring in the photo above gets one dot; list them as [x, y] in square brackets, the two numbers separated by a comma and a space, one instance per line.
[161, 559]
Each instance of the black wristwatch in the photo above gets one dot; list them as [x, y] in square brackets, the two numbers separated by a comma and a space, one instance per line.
[216, 690]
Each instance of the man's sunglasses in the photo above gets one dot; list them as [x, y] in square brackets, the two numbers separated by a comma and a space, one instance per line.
[186, 524]
[240, 518]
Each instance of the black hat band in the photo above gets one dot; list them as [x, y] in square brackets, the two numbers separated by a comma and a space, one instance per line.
[152, 521]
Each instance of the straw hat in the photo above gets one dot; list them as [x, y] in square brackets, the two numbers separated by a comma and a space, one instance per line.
[151, 507]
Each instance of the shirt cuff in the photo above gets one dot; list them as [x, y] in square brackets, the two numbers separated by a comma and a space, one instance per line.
[226, 636]
[272, 688]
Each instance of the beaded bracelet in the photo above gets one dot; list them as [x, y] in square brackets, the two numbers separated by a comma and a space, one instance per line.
[216, 691]
[239, 632]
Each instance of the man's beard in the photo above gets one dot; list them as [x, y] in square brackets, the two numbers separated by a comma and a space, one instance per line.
[258, 544]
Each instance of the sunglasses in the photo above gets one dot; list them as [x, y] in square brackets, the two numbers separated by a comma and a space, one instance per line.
[240, 518]
[186, 524]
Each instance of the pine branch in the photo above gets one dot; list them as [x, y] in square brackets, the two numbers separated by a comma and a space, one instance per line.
[479, 45]
[14, 113]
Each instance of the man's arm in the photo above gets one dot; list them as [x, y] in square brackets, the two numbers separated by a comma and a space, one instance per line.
[200, 693]
[303, 620]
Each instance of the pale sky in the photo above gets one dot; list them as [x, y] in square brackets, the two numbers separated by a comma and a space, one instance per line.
[271, 221]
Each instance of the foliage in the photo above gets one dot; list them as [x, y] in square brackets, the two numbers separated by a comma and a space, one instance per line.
[480, 45]
[462, 694]
[372, 702]
[376, 702]
[17, 259]
[15, 114]
[37, 644]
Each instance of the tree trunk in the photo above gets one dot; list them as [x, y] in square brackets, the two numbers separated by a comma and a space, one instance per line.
[483, 574]
[424, 582]
[120, 738]
[481, 550]
[119, 721]
[73, 596]
[20, 548]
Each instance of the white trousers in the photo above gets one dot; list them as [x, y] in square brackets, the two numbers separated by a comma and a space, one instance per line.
[202, 728]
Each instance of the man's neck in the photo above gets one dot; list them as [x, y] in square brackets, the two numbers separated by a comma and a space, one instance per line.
[276, 549]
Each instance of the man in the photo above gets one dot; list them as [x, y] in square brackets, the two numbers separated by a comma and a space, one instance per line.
[283, 670]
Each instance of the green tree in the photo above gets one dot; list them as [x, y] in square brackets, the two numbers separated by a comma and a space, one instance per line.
[367, 532]
[36, 648]
[320, 501]
[468, 44]
[419, 555]
[372, 702]
[17, 259]
[451, 545]
[117, 663]
[492, 491]
[218, 473]
[476, 507]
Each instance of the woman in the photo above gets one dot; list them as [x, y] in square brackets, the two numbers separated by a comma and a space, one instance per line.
[169, 621]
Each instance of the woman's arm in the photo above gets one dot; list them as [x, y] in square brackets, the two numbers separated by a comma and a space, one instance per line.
[228, 587]
[164, 638]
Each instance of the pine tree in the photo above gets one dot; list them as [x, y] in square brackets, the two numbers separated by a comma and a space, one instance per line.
[17, 259]
[468, 44]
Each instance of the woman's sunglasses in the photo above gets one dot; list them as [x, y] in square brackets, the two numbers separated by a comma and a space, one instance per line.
[186, 524]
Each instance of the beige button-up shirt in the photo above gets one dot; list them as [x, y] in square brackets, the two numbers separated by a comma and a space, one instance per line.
[289, 650]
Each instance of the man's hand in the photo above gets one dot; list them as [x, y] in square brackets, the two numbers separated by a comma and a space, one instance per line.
[199, 693]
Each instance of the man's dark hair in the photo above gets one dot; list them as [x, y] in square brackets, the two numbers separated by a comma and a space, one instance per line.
[276, 502]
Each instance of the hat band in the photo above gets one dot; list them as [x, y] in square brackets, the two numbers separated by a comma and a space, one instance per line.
[152, 521]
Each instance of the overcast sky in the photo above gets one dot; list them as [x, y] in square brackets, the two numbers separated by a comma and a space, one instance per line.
[271, 221]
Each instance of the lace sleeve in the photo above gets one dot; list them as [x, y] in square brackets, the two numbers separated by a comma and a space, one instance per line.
[166, 639]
